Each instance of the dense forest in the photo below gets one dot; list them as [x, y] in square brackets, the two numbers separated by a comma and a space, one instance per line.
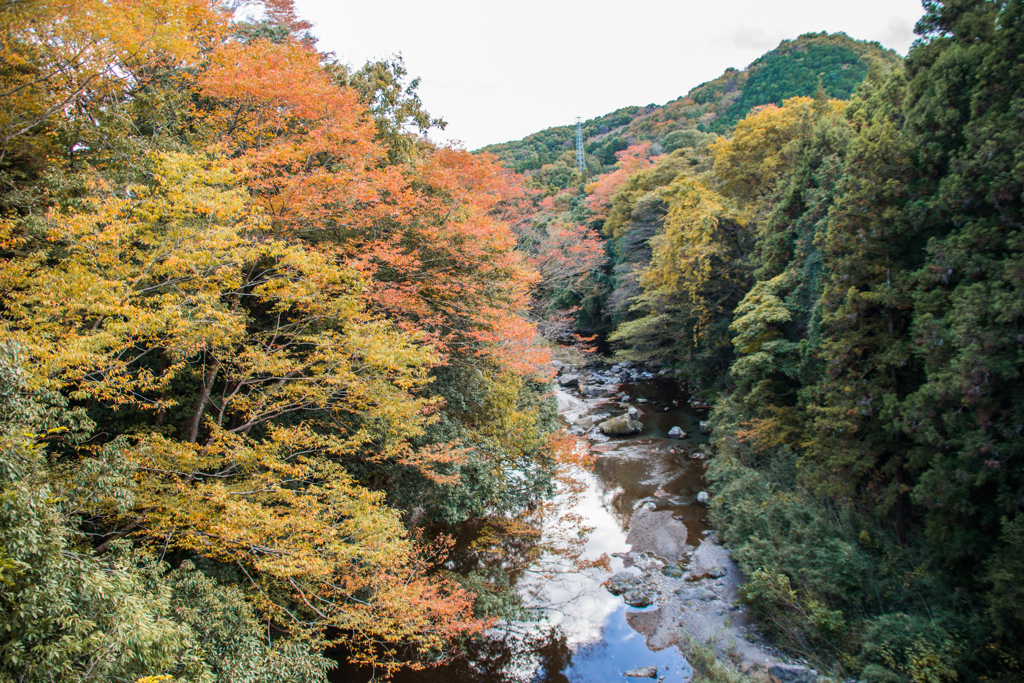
[838, 264]
[260, 340]
[266, 348]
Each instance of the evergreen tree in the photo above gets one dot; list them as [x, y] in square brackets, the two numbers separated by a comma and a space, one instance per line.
[967, 116]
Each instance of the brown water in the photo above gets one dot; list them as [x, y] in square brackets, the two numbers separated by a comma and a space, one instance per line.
[587, 635]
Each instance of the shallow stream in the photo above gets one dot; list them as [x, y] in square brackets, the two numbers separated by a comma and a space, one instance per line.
[588, 634]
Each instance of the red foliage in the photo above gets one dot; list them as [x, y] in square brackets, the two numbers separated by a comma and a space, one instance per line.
[631, 160]
[428, 235]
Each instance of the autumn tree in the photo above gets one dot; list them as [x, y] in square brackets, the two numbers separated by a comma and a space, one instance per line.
[243, 469]
[257, 287]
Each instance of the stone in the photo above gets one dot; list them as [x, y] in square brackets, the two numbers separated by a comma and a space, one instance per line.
[648, 564]
[657, 533]
[586, 423]
[718, 572]
[672, 571]
[622, 582]
[621, 425]
[642, 672]
[792, 673]
[639, 597]
[697, 593]
[703, 498]
[625, 398]
[594, 391]
[569, 380]
[632, 412]
[677, 432]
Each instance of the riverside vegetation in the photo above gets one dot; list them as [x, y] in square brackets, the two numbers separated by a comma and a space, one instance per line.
[844, 277]
[258, 342]
[262, 345]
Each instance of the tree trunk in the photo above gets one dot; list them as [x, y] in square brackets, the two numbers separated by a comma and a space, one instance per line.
[211, 369]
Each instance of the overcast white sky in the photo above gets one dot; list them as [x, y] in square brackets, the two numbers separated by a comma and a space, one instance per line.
[498, 71]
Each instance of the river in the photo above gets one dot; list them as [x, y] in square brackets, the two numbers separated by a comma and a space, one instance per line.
[587, 634]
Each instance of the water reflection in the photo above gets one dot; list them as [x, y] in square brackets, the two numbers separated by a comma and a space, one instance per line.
[587, 634]
[506, 657]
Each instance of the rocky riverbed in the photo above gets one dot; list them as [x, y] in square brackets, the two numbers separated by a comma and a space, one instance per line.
[654, 580]
[676, 570]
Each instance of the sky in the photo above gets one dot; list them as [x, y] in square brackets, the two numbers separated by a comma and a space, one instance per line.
[498, 71]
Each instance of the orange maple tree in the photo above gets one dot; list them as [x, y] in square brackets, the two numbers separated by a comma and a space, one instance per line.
[428, 235]
[632, 159]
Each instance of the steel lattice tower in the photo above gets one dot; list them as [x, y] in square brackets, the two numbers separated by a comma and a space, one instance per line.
[579, 146]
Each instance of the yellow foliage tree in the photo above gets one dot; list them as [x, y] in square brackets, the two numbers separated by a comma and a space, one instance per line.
[177, 284]
[696, 275]
[749, 164]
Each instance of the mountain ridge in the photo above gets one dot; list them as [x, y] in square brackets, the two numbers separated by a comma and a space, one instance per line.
[790, 70]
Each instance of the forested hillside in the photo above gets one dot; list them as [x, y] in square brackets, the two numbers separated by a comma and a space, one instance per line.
[255, 337]
[843, 276]
[790, 70]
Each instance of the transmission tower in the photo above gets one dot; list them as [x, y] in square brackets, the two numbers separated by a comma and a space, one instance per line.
[579, 146]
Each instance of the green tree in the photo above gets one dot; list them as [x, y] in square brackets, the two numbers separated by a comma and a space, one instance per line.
[863, 347]
[967, 117]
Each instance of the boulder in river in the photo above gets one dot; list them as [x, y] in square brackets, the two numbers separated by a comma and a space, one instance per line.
[705, 426]
[673, 571]
[569, 380]
[621, 425]
[677, 432]
[703, 594]
[657, 533]
[639, 597]
[703, 498]
[595, 390]
[642, 672]
[789, 673]
[622, 582]
[586, 423]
